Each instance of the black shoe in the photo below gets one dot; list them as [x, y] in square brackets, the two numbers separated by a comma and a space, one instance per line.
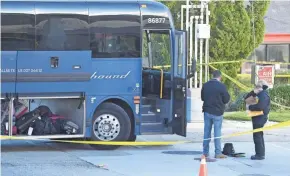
[255, 157]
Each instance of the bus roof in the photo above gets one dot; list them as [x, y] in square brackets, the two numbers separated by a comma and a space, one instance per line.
[153, 9]
[83, 0]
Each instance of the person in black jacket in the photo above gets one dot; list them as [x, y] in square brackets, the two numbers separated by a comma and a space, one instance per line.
[214, 95]
[259, 121]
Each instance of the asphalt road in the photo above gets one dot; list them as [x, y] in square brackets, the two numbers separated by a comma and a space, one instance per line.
[41, 158]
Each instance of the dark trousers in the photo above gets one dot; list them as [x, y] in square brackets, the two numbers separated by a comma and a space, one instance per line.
[259, 122]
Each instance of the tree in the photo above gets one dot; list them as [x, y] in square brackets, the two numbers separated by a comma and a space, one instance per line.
[231, 30]
[230, 17]
[233, 33]
[175, 9]
[256, 11]
[230, 35]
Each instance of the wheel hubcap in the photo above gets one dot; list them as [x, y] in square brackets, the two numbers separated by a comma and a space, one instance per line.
[106, 127]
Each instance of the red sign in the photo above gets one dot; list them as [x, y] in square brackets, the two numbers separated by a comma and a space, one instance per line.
[266, 73]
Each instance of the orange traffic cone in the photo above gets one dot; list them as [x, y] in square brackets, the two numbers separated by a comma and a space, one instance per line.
[203, 169]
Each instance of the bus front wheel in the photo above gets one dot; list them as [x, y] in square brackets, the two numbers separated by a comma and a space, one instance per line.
[110, 123]
[132, 137]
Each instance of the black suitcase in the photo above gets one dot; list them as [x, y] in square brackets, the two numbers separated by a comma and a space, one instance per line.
[43, 126]
[25, 121]
[37, 127]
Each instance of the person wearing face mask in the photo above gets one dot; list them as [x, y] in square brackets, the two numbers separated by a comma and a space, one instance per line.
[260, 120]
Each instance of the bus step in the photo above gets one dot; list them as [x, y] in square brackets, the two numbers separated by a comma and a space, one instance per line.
[153, 128]
[147, 109]
[150, 118]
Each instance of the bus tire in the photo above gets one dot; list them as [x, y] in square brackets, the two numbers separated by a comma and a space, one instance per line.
[110, 123]
[132, 137]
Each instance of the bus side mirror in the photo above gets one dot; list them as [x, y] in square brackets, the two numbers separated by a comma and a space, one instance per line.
[193, 69]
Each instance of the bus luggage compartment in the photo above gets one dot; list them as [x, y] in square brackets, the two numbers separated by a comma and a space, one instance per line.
[49, 117]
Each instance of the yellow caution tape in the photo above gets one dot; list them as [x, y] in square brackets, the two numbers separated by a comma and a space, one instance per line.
[282, 76]
[213, 63]
[155, 143]
[249, 61]
[225, 62]
[272, 63]
[267, 128]
[285, 107]
[121, 143]
[240, 85]
[230, 62]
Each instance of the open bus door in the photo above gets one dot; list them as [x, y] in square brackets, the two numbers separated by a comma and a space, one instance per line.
[179, 81]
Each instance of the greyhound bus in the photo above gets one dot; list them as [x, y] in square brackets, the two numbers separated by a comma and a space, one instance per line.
[114, 69]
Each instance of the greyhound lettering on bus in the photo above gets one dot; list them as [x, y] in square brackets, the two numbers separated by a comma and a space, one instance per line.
[95, 75]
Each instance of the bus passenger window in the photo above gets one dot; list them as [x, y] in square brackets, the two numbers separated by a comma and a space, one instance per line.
[56, 33]
[113, 38]
[17, 31]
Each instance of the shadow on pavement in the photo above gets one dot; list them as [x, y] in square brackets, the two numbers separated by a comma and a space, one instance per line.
[26, 145]
[183, 152]
[21, 146]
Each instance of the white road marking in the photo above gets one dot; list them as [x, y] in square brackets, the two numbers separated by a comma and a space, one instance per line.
[278, 146]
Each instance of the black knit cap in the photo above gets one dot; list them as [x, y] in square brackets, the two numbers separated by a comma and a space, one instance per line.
[216, 74]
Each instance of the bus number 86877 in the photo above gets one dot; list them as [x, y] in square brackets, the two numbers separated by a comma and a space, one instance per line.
[156, 20]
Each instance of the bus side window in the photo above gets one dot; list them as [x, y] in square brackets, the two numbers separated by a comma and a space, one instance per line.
[114, 35]
[62, 32]
[52, 35]
[17, 28]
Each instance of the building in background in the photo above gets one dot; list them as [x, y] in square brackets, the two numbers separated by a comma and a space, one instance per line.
[276, 44]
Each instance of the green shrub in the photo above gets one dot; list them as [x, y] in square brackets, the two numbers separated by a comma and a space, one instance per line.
[282, 80]
[280, 94]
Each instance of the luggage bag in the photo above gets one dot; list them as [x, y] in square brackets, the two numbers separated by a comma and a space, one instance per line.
[63, 125]
[70, 127]
[25, 121]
